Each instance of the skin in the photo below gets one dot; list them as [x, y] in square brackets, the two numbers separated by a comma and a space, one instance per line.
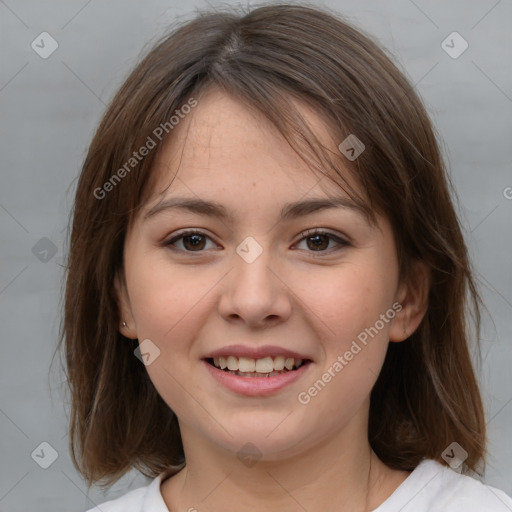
[190, 303]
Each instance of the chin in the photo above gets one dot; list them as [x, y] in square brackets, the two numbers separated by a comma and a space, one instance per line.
[266, 436]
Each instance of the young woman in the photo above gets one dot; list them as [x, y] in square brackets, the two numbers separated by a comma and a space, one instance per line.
[268, 289]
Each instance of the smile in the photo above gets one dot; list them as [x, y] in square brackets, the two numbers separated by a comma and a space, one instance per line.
[256, 377]
[263, 367]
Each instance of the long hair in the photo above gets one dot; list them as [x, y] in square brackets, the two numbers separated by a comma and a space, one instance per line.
[426, 395]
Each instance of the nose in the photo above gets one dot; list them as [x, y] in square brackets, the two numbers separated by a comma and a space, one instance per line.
[255, 293]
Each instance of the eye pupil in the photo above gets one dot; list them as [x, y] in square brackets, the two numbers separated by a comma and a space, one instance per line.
[194, 241]
[321, 242]
[315, 242]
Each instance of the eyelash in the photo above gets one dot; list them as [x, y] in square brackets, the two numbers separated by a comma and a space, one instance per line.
[305, 234]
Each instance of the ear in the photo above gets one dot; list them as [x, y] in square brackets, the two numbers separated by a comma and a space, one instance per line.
[125, 312]
[413, 295]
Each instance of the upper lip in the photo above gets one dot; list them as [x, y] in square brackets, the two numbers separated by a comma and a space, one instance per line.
[255, 352]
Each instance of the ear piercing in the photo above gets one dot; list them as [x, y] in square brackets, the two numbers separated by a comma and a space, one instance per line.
[124, 324]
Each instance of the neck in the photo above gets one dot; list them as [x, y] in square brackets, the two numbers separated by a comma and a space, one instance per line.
[348, 474]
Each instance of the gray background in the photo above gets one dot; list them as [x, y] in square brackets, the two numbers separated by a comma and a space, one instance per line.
[49, 109]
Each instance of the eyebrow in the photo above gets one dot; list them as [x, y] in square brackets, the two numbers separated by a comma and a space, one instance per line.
[288, 212]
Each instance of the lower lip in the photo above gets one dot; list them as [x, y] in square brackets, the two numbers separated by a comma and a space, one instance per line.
[256, 386]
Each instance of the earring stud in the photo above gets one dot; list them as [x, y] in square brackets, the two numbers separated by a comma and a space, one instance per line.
[124, 324]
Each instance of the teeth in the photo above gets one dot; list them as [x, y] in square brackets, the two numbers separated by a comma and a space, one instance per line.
[279, 363]
[248, 365]
[265, 365]
[233, 363]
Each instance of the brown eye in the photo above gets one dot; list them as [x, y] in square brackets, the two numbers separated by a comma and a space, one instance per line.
[191, 241]
[194, 242]
[318, 242]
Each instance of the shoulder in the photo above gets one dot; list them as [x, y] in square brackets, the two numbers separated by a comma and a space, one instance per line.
[143, 499]
[433, 487]
[133, 501]
[462, 492]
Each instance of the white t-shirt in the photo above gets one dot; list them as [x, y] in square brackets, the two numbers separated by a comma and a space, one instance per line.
[431, 487]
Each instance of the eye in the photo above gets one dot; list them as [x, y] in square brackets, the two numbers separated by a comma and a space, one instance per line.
[320, 241]
[191, 241]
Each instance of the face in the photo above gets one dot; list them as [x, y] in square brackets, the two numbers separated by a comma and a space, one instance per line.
[256, 271]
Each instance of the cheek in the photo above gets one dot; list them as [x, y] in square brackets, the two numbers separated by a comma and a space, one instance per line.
[356, 335]
[347, 306]
[347, 300]
[164, 298]
[170, 307]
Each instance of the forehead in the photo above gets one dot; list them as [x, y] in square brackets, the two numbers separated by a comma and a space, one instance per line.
[224, 145]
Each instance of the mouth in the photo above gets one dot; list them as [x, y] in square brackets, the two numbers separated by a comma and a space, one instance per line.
[265, 367]
[256, 371]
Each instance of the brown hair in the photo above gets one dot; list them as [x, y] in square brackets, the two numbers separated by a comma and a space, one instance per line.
[426, 395]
